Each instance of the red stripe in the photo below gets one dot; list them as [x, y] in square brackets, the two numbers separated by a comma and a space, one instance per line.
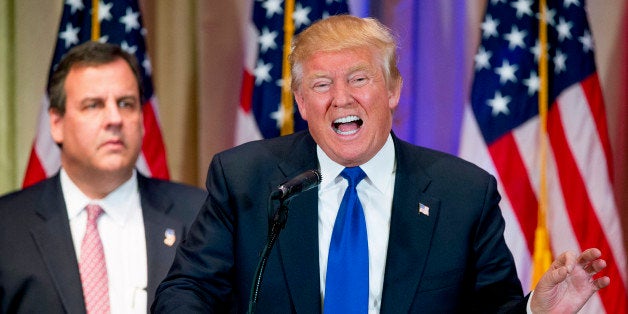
[584, 221]
[246, 93]
[593, 93]
[34, 171]
[153, 145]
[516, 184]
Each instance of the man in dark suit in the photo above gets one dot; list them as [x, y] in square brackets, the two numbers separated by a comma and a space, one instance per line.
[434, 228]
[96, 119]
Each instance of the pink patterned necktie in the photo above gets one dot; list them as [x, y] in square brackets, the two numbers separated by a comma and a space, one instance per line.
[93, 267]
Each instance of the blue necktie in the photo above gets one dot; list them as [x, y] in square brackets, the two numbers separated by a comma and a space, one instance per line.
[347, 281]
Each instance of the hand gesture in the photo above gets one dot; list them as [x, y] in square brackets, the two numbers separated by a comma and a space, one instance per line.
[569, 283]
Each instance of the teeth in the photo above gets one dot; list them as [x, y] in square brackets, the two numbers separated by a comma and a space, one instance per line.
[347, 132]
[347, 119]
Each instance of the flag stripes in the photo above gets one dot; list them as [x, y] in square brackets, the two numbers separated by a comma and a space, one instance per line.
[502, 134]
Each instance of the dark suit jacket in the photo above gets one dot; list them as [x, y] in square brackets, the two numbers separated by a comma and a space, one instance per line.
[38, 264]
[452, 260]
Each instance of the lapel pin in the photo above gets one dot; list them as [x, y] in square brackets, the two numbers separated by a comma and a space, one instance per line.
[170, 237]
[423, 209]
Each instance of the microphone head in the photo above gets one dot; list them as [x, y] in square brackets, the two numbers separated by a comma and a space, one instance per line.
[301, 183]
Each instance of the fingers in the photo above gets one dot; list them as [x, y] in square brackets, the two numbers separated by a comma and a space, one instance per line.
[566, 259]
[602, 282]
[589, 255]
[594, 267]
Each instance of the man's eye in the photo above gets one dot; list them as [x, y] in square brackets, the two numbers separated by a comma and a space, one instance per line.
[359, 80]
[126, 104]
[92, 105]
[321, 87]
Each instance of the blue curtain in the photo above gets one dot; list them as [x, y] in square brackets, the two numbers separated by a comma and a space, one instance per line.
[433, 63]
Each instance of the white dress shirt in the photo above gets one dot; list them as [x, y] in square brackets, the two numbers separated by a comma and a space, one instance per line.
[375, 193]
[121, 229]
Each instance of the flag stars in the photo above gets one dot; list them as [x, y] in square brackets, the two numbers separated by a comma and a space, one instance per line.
[523, 7]
[279, 116]
[70, 35]
[568, 3]
[262, 72]
[560, 60]
[587, 41]
[130, 20]
[267, 40]
[130, 49]
[564, 29]
[507, 72]
[499, 104]
[549, 17]
[148, 68]
[533, 83]
[536, 50]
[75, 5]
[272, 7]
[489, 27]
[104, 11]
[300, 15]
[482, 59]
[515, 38]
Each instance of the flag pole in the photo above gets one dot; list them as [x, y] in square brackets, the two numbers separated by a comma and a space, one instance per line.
[542, 255]
[287, 104]
[95, 22]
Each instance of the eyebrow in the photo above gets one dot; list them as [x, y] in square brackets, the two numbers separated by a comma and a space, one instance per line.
[359, 67]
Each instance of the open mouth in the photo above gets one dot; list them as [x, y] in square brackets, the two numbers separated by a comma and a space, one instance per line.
[347, 125]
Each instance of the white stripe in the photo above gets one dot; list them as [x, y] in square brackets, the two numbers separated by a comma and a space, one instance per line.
[584, 143]
[561, 233]
[142, 166]
[473, 148]
[246, 128]
[155, 105]
[47, 151]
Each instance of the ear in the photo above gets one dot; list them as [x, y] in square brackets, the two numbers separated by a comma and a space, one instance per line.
[394, 93]
[56, 125]
[300, 104]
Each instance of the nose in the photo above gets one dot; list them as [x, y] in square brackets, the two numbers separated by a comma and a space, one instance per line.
[341, 94]
[112, 113]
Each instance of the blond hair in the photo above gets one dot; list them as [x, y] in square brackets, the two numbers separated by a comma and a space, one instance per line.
[340, 32]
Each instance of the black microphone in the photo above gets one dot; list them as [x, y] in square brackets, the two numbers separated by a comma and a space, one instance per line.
[296, 185]
[283, 193]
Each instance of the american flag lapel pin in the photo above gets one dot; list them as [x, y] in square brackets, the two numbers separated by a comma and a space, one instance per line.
[424, 209]
[169, 237]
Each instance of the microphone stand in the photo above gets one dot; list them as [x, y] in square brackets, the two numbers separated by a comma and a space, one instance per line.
[278, 223]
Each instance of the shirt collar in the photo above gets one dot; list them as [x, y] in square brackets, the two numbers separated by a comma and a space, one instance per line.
[378, 169]
[114, 204]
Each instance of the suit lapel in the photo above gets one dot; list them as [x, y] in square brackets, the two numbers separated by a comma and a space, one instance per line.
[159, 250]
[298, 242]
[54, 239]
[410, 232]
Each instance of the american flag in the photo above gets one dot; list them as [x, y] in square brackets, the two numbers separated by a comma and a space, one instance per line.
[119, 22]
[261, 114]
[502, 133]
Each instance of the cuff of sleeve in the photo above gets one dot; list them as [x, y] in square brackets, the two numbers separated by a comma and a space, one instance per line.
[528, 308]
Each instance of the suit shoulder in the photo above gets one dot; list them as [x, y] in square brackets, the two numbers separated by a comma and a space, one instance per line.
[438, 163]
[24, 197]
[277, 147]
